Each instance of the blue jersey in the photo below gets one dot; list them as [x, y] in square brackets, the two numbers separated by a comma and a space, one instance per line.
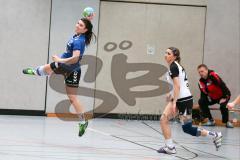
[77, 42]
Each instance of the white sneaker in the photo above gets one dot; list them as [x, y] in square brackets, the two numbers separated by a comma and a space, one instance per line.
[209, 123]
[229, 125]
[217, 140]
[167, 150]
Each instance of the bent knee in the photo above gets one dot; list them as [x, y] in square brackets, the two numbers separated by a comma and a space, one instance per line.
[189, 129]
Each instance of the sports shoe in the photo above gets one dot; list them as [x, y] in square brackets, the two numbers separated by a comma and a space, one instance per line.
[29, 71]
[209, 123]
[217, 140]
[167, 150]
[82, 128]
[229, 125]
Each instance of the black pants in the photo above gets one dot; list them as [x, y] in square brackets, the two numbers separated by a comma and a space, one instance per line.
[204, 104]
[72, 78]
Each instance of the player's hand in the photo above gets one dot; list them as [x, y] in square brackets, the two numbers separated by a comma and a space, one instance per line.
[90, 18]
[230, 105]
[223, 100]
[55, 58]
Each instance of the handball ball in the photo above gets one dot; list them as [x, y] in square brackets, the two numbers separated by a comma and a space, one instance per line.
[88, 11]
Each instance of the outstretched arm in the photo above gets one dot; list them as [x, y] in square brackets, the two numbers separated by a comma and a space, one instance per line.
[234, 103]
[237, 100]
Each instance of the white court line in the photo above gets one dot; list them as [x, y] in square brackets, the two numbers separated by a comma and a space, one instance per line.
[123, 139]
[97, 131]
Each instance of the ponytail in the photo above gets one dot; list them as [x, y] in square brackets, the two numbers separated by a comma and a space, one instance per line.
[89, 33]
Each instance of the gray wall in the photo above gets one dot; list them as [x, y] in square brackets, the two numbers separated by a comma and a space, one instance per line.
[24, 35]
[222, 52]
[222, 41]
[221, 46]
[21, 21]
[157, 26]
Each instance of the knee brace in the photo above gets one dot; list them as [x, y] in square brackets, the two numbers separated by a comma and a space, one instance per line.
[189, 129]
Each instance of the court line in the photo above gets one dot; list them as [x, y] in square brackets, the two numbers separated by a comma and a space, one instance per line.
[195, 154]
[88, 148]
[104, 150]
[175, 141]
[123, 139]
[185, 147]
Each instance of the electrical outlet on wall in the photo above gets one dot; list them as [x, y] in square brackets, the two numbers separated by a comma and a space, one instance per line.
[150, 49]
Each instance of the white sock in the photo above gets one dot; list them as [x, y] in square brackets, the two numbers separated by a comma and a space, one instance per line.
[169, 143]
[211, 134]
[81, 118]
[40, 71]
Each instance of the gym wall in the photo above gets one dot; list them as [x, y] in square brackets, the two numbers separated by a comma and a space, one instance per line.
[150, 28]
[24, 38]
[213, 39]
[222, 42]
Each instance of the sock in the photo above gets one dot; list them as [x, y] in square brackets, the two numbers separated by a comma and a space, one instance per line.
[169, 143]
[81, 118]
[40, 71]
[211, 134]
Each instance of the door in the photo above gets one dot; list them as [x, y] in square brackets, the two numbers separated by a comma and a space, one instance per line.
[131, 43]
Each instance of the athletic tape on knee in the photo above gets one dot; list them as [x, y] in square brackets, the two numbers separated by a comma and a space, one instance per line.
[189, 129]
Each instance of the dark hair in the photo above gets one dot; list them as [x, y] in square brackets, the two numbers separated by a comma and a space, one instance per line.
[176, 53]
[202, 65]
[89, 33]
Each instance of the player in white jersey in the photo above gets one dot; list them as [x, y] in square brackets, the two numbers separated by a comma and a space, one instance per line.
[177, 70]
[180, 100]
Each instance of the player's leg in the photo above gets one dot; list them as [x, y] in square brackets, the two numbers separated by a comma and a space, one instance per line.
[169, 147]
[185, 114]
[72, 81]
[164, 120]
[225, 115]
[185, 111]
[204, 106]
[196, 131]
[43, 70]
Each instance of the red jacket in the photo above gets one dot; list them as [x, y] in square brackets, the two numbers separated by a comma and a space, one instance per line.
[214, 87]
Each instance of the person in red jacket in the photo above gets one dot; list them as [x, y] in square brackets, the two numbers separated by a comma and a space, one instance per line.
[213, 91]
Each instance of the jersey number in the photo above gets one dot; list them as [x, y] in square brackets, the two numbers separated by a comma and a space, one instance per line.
[185, 77]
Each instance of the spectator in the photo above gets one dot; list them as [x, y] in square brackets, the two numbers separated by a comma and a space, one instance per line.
[213, 91]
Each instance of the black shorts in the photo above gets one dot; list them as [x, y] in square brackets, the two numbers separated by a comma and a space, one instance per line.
[72, 78]
[185, 105]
